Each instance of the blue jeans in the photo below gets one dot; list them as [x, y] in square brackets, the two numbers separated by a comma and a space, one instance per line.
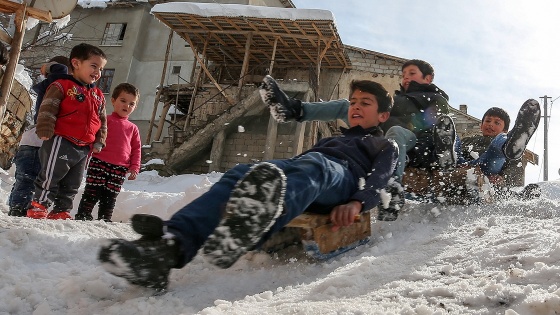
[312, 179]
[326, 111]
[27, 168]
[493, 159]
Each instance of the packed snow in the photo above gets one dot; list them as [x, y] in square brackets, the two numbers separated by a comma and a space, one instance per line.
[502, 258]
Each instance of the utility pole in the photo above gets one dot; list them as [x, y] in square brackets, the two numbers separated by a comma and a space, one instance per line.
[545, 151]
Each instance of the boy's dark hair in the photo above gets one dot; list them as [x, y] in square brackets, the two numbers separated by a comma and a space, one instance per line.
[60, 59]
[127, 88]
[424, 66]
[3, 54]
[384, 99]
[84, 51]
[500, 113]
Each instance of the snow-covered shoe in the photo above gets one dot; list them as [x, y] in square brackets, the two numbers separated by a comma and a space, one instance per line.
[253, 207]
[444, 142]
[389, 209]
[525, 126]
[282, 107]
[37, 211]
[145, 262]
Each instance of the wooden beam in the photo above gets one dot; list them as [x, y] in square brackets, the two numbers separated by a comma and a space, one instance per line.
[245, 66]
[209, 74]
[12, 7]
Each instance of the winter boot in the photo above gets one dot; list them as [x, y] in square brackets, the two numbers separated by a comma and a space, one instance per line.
[17, 211]
[282, 107]
[389, 209]
[147, 225]
[37, 211]
[525, 126]
[444, 142]
[254, 204]
[145, 262]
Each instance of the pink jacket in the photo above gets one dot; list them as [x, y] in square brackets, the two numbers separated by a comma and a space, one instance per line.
[123, 145]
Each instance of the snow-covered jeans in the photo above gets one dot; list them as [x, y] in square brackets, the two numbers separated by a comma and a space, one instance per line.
[312, 178]
[493, 159]
[27, 167]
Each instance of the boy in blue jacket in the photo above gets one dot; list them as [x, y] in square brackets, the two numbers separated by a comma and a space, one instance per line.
[251, 202]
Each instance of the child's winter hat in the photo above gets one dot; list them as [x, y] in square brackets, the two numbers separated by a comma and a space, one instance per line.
[500, 113]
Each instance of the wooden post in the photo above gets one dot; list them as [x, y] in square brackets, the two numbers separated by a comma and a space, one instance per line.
[217, 151]
[158, 95]
[272, 130]
[196, 85]
[8, 78]
[161, 122]
[245, 64]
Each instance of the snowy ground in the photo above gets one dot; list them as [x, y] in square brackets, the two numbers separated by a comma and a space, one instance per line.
[496, 259]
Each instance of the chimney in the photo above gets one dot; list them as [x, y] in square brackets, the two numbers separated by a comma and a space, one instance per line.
[463, 108]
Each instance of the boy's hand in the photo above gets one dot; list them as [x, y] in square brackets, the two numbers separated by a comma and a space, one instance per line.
[132, 175]
[96, 150]
[344, 215]
[45, 138]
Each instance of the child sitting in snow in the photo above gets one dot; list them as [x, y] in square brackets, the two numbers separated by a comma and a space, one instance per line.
[107, 169]
[251, 202]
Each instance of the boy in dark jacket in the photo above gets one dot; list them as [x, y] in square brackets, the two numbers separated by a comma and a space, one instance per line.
[71, 119]
[251, 202]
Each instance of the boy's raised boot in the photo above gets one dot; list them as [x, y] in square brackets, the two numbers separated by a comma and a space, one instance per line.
[388, 210]
[37, 211]
[145, 262]
[253, 207]
[444, 143]
[525, 126]
[282, 107]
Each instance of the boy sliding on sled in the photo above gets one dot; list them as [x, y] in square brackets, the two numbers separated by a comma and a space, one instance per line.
[251, 202]
[412, 124]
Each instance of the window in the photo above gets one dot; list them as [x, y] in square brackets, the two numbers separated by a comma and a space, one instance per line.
[176, 70]
[114, 34]
[105, 81]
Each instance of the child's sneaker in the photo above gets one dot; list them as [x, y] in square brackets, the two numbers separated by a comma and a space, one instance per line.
[17, 212]
[145, 262]
[525, 126]
[444, 142]
[59, 215]
[389, 210]
[83, 216]
[282, 107]
[254, 204]
[37, 211]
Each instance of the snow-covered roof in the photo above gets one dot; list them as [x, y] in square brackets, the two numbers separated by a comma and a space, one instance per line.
[240, 10]
[222, 30]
